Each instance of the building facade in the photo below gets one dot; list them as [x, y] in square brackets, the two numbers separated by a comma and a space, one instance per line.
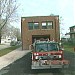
[72, 33]
[37, 27]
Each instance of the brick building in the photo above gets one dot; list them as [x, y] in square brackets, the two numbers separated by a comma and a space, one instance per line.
[37, 27]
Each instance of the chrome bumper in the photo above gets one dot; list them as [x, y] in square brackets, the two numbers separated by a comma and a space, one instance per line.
[40, 65]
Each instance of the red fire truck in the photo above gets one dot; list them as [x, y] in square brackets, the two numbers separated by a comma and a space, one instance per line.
[47, 54]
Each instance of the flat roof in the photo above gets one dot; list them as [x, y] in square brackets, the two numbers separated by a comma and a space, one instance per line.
[41, 16]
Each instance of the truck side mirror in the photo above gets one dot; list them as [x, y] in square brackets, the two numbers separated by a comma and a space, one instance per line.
[62, 49]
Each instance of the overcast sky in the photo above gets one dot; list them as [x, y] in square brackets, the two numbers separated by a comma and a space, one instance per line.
[64, 8]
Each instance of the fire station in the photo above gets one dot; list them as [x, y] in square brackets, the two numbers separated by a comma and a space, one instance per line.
[38, 27]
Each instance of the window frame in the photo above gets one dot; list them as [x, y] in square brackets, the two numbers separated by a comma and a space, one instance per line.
[43, 26]
[49, 26]
[46, 26]
[33, 25]
[29, 25]
[36, 27]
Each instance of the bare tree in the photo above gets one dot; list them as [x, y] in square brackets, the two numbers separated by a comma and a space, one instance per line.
[15, 32]
[61, 23]
[61, 26]
[7, 12]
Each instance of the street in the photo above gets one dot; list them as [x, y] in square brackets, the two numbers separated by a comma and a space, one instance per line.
[22, 67]
[37, 37]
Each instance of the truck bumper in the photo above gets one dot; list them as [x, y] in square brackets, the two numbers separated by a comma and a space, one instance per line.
[50, 64]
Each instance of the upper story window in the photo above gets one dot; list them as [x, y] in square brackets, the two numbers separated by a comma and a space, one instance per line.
[50, 25]
[36, 25]
[30, 26]
[74, 29]
[33, 25]
[47, 25]
[44, 25]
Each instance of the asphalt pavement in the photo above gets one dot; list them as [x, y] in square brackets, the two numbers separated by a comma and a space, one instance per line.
[10, 65]
[23, 67]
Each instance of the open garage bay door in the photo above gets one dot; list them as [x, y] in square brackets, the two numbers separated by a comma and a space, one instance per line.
[37, 37]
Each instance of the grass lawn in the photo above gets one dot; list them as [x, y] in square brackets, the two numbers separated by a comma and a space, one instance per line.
[7, 50]
[69, 47]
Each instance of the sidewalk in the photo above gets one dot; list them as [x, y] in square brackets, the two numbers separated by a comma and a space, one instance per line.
[11, 57]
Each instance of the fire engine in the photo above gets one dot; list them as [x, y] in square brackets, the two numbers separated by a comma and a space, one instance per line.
[47, 54]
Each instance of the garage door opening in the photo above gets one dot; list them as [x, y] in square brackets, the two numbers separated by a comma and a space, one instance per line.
[37, 37]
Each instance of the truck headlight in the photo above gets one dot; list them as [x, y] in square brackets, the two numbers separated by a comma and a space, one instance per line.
[36, 57]
[36, 54]
[59, 56]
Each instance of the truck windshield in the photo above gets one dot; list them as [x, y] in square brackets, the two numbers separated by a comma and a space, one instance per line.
[47, 47]
[53, 47]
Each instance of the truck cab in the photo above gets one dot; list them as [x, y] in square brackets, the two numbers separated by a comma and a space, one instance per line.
[48, 54]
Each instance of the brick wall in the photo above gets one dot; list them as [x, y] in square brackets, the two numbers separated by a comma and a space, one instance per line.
[27, 34]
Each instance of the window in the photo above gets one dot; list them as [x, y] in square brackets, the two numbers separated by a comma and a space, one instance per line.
[33, 25]
[74, 29]
[47, 25]
[36, 25]
[30, 26]
[44, 26]
[50, 25]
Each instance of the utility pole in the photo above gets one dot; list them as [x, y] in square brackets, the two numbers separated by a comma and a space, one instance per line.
[0, 12]
[0, 21]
